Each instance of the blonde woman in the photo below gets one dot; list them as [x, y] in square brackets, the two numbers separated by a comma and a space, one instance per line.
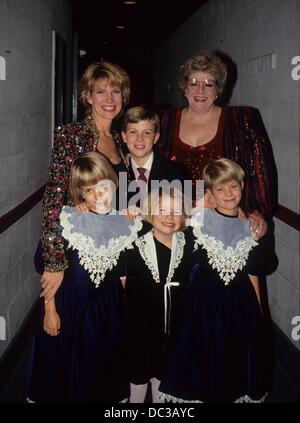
[104, 90]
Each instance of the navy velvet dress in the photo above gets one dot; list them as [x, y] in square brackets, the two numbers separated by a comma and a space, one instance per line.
[87, 361]
[154, 302]
[221, 352]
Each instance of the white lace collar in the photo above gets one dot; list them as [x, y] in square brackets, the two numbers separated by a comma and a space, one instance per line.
[84, 232]
[147, 250]
[226, 259]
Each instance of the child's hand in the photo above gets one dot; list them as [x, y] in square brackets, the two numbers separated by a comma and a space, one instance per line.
[209, 200]
[82, 207]
[123, 280]
[198, 206]
[52, 323]
[132, 212]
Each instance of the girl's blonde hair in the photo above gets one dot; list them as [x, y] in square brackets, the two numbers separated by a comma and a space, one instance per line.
[204, 61]
[89, 169]
[221, 171]
[153, 201]
[111, 72]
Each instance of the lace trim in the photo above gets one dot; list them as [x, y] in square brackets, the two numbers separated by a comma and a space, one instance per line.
[248, 399]
[120, 402]
[148, 254]
[97, 260]
[226, 261]
[170, 398]
[178, 243]
[245, 398]
[147, 250]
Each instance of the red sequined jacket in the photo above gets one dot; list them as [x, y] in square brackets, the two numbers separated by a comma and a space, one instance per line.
[244, 140]
[69, 141]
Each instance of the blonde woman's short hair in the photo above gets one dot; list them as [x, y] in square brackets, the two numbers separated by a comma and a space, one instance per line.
[89, 169]
[205, 62]
[103, 70]
[153, 201]
[139, 113]
[221, 171]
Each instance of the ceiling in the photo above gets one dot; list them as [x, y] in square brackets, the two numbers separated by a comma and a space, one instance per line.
[146, 23]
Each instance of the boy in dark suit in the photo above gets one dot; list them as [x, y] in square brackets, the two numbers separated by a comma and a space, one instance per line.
[140, 131]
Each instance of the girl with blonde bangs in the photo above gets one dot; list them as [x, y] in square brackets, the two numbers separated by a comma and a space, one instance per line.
[221, 171]
[152, 204]
[79, 349]
[89, 169]
[156, 281]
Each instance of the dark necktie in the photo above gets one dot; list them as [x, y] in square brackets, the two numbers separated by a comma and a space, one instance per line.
[142, 176]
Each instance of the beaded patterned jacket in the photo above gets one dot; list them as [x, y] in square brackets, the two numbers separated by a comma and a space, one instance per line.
[69, 141]
[245, 141]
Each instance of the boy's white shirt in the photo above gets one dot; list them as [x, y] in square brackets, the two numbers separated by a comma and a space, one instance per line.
[147, 166]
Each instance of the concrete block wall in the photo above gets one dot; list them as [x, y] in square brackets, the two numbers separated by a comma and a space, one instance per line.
[19, 283]
[25, 141]
[261, 37]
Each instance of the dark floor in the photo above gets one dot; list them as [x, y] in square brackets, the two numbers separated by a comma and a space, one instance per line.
[286, 386]
[284, 391]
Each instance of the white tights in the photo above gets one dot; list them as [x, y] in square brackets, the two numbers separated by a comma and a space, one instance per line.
[138, 392]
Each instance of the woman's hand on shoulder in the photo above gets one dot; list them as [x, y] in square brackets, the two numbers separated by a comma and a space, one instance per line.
[258, 224]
